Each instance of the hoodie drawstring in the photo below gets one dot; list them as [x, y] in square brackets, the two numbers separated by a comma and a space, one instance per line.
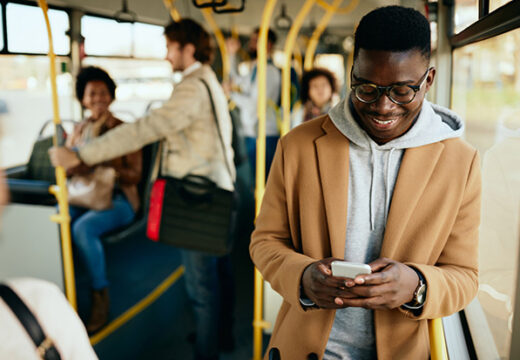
[372, 187]
[387, 182]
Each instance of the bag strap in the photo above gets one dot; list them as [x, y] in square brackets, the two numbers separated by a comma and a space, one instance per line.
[44, 345]
[218, 126]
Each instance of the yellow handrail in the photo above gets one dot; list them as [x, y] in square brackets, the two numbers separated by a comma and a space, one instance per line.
[206, 12]
[173, 11]
[60, 190]
[261, 72]
[437, 341]
[286, 70]
[326, 6]
[322, 25]
[298, 66]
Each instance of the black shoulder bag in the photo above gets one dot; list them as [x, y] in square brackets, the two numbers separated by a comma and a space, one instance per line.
[44, 345]
[193, 212]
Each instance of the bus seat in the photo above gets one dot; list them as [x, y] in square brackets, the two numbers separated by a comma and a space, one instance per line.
[29, 183]
[138, 225]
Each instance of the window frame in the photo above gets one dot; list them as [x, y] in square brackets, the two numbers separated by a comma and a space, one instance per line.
[504, 19]
[489, 25]
[4, 3]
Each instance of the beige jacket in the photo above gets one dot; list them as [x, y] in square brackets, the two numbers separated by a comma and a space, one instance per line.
[432, 225]
[186, 126]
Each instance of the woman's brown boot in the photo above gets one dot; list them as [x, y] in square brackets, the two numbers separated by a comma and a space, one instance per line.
[99, 310]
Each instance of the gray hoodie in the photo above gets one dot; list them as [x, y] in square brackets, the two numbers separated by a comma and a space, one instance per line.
[372, 176]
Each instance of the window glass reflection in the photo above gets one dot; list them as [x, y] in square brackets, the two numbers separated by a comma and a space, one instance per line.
[26, 102]
[149, 41]
[486, 92]
[466, 13]
[106, 37]
[23, 20]
[495, 4]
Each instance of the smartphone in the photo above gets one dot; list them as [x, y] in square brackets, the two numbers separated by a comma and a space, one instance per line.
[349, 269]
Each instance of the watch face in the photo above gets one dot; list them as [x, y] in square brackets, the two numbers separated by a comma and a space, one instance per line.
[421, 292]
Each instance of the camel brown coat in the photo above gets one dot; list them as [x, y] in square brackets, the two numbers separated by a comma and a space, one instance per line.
[432, 224]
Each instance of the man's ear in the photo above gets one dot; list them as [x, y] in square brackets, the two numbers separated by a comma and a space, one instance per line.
[190, 49]
[430, 78]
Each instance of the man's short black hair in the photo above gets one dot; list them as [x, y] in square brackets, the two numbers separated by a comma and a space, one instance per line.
[93, 73]
[188, 31]
[393, 28]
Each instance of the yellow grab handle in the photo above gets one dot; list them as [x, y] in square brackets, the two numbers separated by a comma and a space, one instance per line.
[206, 12]
[344, 10]
[60, 190]
[173, 11]
[437, 341]
[286, 71]
[258, 322]
[322, 25]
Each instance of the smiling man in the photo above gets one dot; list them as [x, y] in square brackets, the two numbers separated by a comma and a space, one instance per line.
[383, 179]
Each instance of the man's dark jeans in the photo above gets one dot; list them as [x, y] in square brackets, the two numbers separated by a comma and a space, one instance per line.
[210, 286]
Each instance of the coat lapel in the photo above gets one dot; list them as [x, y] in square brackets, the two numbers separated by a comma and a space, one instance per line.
[415, 171]
[333, 160]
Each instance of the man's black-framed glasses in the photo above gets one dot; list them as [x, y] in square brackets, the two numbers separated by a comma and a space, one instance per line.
[400, 94]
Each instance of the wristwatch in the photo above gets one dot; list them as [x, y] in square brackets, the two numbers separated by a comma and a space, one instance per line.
[419, 295]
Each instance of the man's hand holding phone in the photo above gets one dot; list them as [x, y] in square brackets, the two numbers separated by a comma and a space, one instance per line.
[323, 288]
[389, 285]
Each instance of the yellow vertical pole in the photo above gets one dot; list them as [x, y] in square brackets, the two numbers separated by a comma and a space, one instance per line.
[286, 71]
[173, 11]
[206, 12]
[261, 72]
[60, 190]
[298, 66]
[437, 341]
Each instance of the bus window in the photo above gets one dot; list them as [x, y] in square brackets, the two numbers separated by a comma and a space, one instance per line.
[139, 83]
[149, 41]
[105, 37]
[466, 13]
[495, 4]
[24, 19]
[24, 88]
[486, 93]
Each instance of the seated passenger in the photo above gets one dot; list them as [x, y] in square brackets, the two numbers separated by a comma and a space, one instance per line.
[96, 91]
[317, 94]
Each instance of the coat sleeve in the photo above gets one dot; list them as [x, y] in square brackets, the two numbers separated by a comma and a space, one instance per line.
[453, 281]
[175, 115]
[271, 247]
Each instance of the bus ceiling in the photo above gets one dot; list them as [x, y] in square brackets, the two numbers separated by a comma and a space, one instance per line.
[242, 14]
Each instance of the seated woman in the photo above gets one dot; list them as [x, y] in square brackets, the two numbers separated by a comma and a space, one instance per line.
[317, 94]
[96, 91]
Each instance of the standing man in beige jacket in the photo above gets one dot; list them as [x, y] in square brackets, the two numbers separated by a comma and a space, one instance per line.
[186, 126]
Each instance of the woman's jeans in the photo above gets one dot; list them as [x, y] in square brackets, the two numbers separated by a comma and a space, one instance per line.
[87, 226]
[210, 286]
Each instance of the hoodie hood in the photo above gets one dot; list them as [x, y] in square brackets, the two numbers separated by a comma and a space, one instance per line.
[435, 123]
